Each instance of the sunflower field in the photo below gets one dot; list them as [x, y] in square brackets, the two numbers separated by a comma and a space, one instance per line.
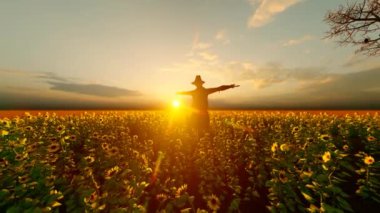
[151, 161]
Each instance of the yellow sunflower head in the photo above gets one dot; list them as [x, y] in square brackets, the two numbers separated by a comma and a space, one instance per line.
[32, 147]
[89, 159]
[325, 137]
[282, 176]
[371, 138]
[72, 137]
[53, 147]
[105, 146]
[28, 128]
[3, 132]
[326, 157]
[113, 151]
[284, 147]
[213, 202]
[23, 179]
[60, 128]
[52, 158]
[161, 197]
[369, 160]
[274, 147]
[111, 172]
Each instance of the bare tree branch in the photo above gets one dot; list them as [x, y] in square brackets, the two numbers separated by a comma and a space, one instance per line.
[356, 23]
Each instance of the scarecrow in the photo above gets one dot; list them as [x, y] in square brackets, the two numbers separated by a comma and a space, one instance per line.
[200, 116]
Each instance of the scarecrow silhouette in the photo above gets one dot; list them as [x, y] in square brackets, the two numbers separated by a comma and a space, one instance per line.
[200, 117]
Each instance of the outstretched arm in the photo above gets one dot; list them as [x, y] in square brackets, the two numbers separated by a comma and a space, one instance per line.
[184, 93]
[221, 88]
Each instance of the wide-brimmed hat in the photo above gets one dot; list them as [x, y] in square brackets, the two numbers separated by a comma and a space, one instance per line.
[198, 80]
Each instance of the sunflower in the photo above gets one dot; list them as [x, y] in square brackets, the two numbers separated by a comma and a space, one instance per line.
[345, 147]
[3, 162]
[53, 147]
[73, 138]
[371, 138]
[89, 159]
[95, 135]
[105, 146]
[60, 128]
[325, 137]
[88, 171]
[295, 129]
[52, 158]
[180, 190]
[28, 128]
[4, 132]
[130, 191]
[213, 202]
[19, 157]
[28, 115]
[6, 123]
[369, 160]
[282, 176]
[53, 139]
[111, 172]
[310, 140]
[326, 157]
[113, 151]
[23, 179]
[149, 142]
[31, 147]
[161, 197]
[284, 147]
[274, 147]
[12, 144]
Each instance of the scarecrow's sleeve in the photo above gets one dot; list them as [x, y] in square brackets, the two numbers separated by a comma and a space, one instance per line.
[221, 88]
[185, 93]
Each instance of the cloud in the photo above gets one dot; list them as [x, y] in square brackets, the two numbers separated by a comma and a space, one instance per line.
[267, 9]
[92, 89]
[64, 84]
[350, 90]
[221, 37]
[297, 41]
[17, 98]
[208, 56]
[198, 45]
[29, 82]
[52, 76]
[348, 84]
[357, 90]
[273, 73]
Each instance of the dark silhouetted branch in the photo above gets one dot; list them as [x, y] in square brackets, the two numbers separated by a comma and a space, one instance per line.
[356, 24]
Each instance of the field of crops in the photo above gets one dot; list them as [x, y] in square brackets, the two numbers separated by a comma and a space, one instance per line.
[153, 162]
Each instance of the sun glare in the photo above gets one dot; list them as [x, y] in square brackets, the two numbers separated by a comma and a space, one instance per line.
[176, 103]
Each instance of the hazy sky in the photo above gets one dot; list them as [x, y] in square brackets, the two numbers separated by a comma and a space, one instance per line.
[138, 53]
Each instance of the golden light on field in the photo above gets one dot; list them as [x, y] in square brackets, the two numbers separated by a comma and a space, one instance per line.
[176, 103]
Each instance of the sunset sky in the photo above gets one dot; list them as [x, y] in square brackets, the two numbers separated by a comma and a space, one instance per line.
[139, 53]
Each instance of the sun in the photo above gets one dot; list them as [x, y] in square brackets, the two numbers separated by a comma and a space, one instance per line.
[176, 103]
